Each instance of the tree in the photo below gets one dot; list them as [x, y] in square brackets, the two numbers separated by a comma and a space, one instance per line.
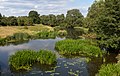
[72, 18]
[94, 12]
[0, 15]
[0, 18]
[60, 20]
[34, 16]
[108, 26]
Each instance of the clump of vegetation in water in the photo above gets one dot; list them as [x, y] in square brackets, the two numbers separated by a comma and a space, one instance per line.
[46, 34]
[18, 36]
[109, 70]
[2, 41]
[46, 57]
[24, 59]
[87, 47]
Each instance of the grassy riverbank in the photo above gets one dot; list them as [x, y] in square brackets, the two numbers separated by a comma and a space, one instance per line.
[10, 30]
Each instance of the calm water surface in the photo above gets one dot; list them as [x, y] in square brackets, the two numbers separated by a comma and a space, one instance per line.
[64, 66]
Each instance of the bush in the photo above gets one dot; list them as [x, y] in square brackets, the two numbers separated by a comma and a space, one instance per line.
[18, 36]
[109, 70]
[2, 41]
[24, 59]
[47, 34]
[70, 46]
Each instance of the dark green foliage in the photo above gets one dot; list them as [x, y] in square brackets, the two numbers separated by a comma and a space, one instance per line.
[94, 12]
[109, 70]
[18, 37]
[108, 26]
[24, 59]
[49, 20]
[74, 18]
[34, 16]
[0, 15]
[87, 47]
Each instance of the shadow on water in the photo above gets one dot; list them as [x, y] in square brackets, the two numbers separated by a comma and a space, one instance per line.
[73, 33]
[95, 63]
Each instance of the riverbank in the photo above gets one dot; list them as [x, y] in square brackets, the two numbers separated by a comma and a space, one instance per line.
[10, 30]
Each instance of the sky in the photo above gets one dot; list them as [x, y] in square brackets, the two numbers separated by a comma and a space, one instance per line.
[43, 7]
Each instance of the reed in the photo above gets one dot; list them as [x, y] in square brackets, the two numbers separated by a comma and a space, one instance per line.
[78, 46]
[46, 34]
[24, 59]
[109, 70]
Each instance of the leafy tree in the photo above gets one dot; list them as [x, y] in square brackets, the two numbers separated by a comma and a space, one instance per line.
[0, 15]
[72, 18]
[52, 20]
[108, 26]
[60, 20]
[34, 16]
[94, 12]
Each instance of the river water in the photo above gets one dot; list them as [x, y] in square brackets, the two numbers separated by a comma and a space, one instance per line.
[73, 66]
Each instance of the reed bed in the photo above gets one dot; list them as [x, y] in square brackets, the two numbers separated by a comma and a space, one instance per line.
[24, 59]
[70, 46]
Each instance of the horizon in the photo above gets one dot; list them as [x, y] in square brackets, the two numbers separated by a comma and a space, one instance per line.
[43, 7]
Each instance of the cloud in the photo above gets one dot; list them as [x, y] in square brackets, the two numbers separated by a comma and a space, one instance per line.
[22, 7]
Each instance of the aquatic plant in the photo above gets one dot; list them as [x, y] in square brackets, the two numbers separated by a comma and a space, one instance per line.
[46, 57]
[69, 47]
[18, 36]
[46, 34]
[109, 70]
[2, 41]
[24, 59]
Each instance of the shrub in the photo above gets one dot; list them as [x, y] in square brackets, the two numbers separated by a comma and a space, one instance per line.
[47, 34]
[24, 59]
[109, 70]
[18, 36]
[70, 46]
[2, 41]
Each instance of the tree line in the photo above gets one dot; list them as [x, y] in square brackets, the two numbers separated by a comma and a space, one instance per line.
[73, 18]
[103, 18]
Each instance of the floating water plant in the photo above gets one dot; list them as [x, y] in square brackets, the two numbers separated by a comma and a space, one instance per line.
[75, 47]
[24, 59]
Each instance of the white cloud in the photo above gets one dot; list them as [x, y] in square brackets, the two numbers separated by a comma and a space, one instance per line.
[22, 7]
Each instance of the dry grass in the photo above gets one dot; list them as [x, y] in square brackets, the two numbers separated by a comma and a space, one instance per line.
[10, 30]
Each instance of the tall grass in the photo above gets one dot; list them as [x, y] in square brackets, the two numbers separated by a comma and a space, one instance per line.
[70, 46]
[3, 41]
[109, 70]
[18, 37]
[46, 34]
[24, 59]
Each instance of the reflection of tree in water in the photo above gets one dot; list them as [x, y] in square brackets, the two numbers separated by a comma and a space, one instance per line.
[73, 33]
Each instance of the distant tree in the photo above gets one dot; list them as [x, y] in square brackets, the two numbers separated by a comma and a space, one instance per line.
[21, 21]
[72, 18]
[52, 20]
[0, 15]
[60, 20]
[0, 18]
[34, 16]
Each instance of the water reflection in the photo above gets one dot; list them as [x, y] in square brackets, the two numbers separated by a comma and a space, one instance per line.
[64, 67]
